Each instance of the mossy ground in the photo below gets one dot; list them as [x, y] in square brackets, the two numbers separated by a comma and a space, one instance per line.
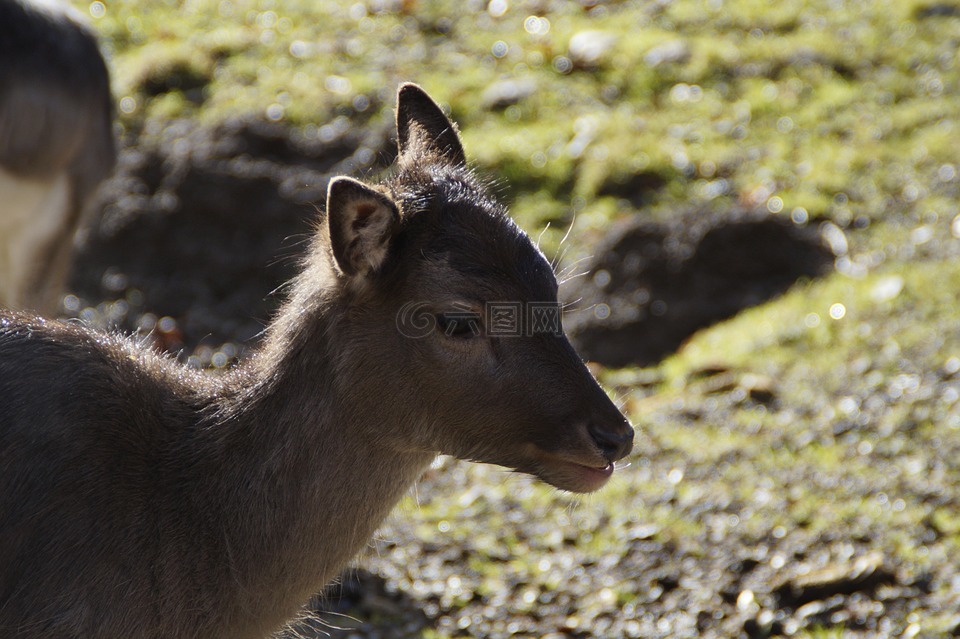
[817, 428]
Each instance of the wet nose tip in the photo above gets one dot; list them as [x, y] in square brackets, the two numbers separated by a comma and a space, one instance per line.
[615, 442]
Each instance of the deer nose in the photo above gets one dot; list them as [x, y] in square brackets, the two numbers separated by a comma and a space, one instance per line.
[614, 442]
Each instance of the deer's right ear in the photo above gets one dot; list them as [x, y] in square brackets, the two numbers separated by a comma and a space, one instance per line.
[361, 222]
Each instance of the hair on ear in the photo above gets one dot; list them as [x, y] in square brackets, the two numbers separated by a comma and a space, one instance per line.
[423, 128]
[361, 221]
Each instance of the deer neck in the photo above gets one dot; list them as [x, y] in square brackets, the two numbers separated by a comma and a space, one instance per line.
[306, 484]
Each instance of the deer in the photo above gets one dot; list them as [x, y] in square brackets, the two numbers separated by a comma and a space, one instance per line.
[143, 499]
[56, 145]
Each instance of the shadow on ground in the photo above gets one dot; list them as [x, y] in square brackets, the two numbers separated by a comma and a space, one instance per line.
[360, 604]
[651, 285]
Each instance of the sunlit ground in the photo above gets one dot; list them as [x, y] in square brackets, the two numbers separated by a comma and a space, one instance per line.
[796, 467]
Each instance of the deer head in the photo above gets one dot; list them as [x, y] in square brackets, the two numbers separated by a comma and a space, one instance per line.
[450, 320]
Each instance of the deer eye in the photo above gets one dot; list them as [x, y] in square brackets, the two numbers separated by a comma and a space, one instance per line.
[459, 324]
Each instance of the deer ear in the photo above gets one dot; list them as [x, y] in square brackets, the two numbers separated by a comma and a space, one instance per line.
[422, 126]
[361, 222]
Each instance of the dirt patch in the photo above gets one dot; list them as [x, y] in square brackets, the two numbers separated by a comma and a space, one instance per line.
[201, 226]
[652, 285]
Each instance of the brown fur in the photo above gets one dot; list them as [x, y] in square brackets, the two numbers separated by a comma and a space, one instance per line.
[144, 500]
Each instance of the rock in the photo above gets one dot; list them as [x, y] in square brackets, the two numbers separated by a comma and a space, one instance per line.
[812, 610]
[746, 600]
[670, 52]
[587, 49]
[504, 93]
[643, 531]
[887, 288]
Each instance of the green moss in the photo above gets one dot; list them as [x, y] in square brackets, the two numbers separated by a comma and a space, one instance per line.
[855, 109]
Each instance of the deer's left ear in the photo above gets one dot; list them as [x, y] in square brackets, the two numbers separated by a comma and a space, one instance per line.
[422, 127]
[362, 221]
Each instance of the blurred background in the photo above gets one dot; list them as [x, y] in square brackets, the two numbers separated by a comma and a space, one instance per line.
[754, 208]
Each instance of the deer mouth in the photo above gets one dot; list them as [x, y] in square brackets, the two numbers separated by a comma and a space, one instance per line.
[564, 473]
[595, 477]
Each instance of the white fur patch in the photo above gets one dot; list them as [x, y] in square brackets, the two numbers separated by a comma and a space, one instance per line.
[32, 214]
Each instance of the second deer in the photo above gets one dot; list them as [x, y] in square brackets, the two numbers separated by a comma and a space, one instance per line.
[56, 145]
[145, 500]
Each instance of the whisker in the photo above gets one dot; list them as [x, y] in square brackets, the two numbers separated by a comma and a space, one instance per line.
[293, 243]
[573, 220]
[569, 266]
[558, 258]
[572, 277]
[573, 265]
[541, 235]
